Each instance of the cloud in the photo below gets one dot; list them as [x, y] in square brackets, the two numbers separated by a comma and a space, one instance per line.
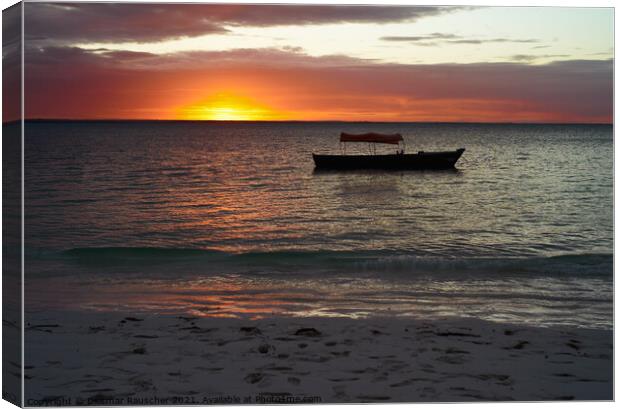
[433, 36]
[527, 57]
[442, 38]
[116, 22]
[113, 22]
[74, 82]
[104, 58]
[494, 40]
[306, 14]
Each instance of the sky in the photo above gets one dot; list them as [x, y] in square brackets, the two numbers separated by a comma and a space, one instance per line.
[302, 62]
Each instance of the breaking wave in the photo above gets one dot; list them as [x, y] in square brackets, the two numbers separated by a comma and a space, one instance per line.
[383, 262]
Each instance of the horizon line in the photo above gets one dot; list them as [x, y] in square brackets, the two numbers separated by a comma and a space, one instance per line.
[295, 121]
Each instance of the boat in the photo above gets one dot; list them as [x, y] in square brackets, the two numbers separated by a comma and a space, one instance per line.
[397, 161]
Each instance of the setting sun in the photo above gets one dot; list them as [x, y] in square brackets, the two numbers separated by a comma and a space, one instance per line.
[228, 107]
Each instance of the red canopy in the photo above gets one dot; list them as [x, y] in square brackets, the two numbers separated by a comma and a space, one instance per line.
[371, 137]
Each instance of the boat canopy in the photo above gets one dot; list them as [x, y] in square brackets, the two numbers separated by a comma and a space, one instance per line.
[372, 138]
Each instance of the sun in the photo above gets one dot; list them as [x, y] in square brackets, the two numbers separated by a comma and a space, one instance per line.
[226, 106]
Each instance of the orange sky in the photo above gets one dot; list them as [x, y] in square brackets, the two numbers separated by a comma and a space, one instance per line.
[253, 63]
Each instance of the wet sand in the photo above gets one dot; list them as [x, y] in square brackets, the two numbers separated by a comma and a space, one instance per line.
[109, 358]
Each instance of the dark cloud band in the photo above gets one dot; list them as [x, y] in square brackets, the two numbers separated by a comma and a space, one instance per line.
[442, 38]
[116, 22]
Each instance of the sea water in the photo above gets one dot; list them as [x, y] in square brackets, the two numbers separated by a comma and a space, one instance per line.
[231, 219]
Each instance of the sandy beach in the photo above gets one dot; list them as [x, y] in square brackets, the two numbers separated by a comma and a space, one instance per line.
[110, 358]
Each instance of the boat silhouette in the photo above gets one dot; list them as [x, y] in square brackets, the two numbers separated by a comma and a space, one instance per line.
[399, 160]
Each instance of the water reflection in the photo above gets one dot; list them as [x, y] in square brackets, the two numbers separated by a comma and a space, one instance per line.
[251, 187]
[537, 301]
[522, 192]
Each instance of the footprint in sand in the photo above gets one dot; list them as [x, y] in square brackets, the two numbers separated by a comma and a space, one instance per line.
[254, 378]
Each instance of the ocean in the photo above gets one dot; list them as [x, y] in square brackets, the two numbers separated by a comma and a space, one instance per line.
[230, 219]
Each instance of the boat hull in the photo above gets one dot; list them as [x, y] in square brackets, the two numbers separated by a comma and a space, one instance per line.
[416, 161]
